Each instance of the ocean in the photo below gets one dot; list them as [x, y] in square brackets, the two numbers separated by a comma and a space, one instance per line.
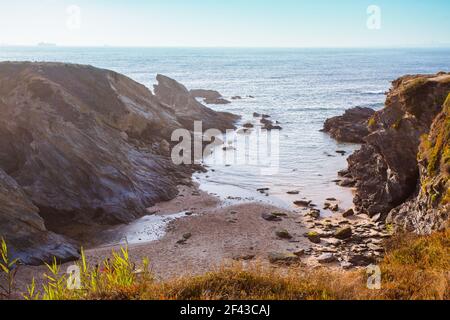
[300, 88]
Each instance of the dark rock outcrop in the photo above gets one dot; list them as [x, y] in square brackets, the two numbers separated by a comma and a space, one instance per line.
[350, 127]
[386, 168]
[84, 146]
[209, 96]
[24, 229]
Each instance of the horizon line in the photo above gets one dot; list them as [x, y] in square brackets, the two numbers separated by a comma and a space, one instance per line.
[52, 45]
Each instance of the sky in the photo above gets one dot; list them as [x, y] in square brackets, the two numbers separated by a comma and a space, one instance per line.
[226, 23]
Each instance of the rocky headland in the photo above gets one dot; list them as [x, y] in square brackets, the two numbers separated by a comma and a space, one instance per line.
[401, 171]
[83, 148]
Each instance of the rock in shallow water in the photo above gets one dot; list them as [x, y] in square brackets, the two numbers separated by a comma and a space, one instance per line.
[350, 127]
[302, 203]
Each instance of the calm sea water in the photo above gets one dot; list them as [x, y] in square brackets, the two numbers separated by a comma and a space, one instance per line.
[299, 87]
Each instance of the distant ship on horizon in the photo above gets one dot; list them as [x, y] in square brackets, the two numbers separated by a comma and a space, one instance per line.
[46, 44]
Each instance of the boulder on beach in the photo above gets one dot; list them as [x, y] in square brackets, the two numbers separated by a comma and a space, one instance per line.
[343, 233]
[327, 258]
[348, 213]
[314, 237]
[283, 234]
[271, 217]
[314, 213]
[283, 258]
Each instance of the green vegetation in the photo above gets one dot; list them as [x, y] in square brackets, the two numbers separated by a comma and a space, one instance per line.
[435, 155]
[372, 122]
[390, 228]
[8, 270]
[115, 278]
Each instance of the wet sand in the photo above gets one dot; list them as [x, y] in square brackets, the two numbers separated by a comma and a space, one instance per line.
[219, 234]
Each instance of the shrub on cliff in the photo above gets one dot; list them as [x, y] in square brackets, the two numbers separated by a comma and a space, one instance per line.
[434, 158]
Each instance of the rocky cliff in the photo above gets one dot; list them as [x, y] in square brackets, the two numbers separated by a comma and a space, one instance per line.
[430, 210]
[389, 170]
[82, 146]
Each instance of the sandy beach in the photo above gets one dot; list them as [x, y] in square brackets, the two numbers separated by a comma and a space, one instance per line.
[210, 234]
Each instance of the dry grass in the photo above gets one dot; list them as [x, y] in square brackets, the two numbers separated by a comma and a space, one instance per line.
[414, 268]
[417, 267]
[260, 283]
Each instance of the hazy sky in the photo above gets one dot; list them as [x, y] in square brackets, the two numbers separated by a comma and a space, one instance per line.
[225, 23]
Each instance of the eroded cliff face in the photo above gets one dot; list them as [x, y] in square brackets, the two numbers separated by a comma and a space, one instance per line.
[431, 209]
[25, 229]
[83, 146]
[386, 168]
